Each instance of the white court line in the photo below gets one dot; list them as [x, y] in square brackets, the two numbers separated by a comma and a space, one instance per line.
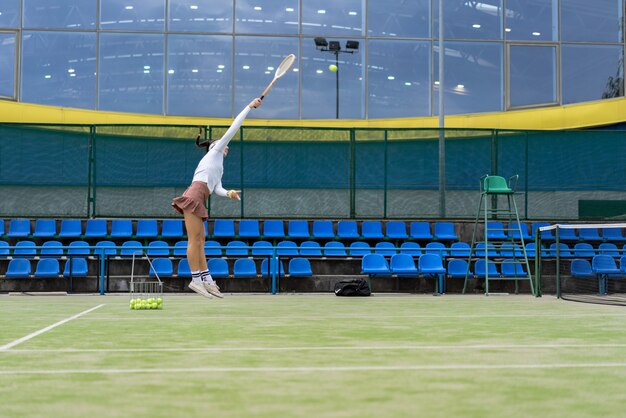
[409, 367]
[46, 329]
[324, 348]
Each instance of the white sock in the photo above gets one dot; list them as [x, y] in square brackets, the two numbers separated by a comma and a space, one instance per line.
[196, 276]
[206, 277]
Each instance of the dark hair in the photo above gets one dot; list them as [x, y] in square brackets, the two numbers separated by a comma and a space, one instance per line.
[205, 144]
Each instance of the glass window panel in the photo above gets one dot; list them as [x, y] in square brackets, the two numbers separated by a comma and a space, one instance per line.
[276, 16]
[409, 19]
[73, 14]
[9, 13]
[319, 84]
[58, 68]
[398, 78]
[132, 14]
[531, 20]
[131, 73]
[472, 77]
[532, 76]
[592, 21]
[591, 72]
[199, 75]
[7, 65]
[256, 59]
[201, 15]
[470, 19]
[333, 18]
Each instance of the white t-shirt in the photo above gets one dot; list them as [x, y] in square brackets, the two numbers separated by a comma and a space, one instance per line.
[211, 166]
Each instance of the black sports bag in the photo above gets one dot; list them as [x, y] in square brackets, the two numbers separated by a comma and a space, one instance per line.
[356, 287]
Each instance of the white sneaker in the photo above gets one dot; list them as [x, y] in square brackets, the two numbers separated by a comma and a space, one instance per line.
[213, 289]
[199, 289]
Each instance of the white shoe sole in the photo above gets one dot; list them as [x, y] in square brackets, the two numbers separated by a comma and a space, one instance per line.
[199, 289]
[217, 293]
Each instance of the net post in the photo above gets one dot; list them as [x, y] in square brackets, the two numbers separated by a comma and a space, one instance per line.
[558, 262]
[537, 263]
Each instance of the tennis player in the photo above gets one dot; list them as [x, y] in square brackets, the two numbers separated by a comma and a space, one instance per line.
[207, 180]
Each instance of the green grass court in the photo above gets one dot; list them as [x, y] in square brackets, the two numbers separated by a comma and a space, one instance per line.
[312, 356]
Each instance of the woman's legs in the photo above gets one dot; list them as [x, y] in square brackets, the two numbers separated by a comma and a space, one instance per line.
[195, 244]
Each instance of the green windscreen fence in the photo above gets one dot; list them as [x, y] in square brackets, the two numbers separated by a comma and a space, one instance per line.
[284, 172]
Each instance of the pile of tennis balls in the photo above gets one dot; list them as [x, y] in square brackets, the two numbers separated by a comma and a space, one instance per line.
[150, 303]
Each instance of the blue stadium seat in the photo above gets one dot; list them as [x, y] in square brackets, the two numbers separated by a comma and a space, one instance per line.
[323, 230]
[212, 248]
[420, 231]
[121, 228]
[218, 267]
[335, 249]
[444, 231]
[545, 235]
[298, 229]
[622, 264]
[4, 249]
[265, 272]
[567, 234]
[71, 228]
[375, 265]
[261, 248]
[512, 268]
[479, 250]
[18, 268]
[1, 227]
[300, 267]
[131, 247]
[584, 249]
[161, 267]
[581, 269]
[347, 230]
[496, 230]
[172, 228]
[460, 249]
[514, 231]
[274, 229]
[589, 234]
[183, 268]
[158, 249]
[180, 248]
[431, 264]
[310, 249]
[384, 248]
[224, 228]
[437, 248]
[564, 250]
[411, 248]
[147, 228]
[608, 248]
[236, 249]
[403, 265]
[457, 269]
[47, 267]
[79, 267]
[96, 228]
[249, 228]
[371, 230]
[105, 247]
[19, 228]
[613, 234]
[604, 265]
[244, 267]
[25, 249]
[359, 249]
[531, 250]
[45, 228]
[79, 248]
[51, 249]
[396, 230]
[479, 269]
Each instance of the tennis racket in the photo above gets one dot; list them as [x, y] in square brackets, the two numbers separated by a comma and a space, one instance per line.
[282, 69]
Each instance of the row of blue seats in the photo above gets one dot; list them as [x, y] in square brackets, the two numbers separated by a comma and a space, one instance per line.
[225, 228]
[243, 267]
[498, 232]
[599, 265]
[307, 248]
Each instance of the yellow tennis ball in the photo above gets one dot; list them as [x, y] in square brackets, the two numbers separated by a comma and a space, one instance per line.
[333, 68]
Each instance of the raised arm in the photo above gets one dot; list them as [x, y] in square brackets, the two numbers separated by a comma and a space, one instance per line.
[222, 143]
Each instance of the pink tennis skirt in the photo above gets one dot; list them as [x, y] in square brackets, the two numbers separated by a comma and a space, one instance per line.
[193, 200]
